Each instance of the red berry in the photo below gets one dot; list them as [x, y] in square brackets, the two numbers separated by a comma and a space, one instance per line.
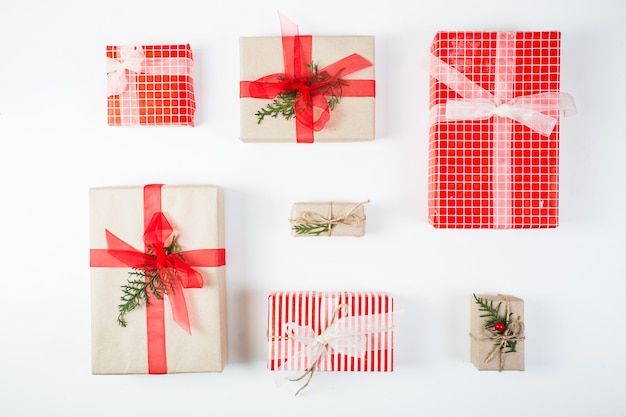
[498, 327]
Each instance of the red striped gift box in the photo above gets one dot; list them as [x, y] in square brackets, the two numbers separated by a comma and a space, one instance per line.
[332, 331]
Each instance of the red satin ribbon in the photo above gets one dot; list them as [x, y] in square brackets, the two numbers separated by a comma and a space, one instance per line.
[176, 266]
[311, 107]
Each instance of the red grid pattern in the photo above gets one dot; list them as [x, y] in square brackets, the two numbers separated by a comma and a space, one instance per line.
[461, 155]
[161, 99]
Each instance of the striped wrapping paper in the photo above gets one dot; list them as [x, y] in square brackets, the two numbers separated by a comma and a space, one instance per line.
[367, 316]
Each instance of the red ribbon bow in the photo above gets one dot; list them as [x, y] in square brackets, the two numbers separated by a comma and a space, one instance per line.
[172, 268]
[311, 108]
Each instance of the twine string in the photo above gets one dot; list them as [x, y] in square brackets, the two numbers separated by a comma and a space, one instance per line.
[314, 218]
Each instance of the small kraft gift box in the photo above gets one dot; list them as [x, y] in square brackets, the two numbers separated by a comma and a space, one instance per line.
[497, 332]
[150, 85]
[495, 103]
[328, 219]
[312, 331]
[305, 89]
[158, 296]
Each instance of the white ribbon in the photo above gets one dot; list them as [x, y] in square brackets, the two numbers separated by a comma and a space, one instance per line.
[350, 336]
[538, 112]
[346, 336]
[130, 58]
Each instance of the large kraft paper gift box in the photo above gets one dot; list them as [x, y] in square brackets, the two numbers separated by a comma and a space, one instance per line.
[330, 81]
[177, 232]
[495, 102]
[312, 331]
[150, 85]
[497, 332]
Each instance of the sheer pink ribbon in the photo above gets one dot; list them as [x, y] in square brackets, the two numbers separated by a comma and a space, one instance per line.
[123, 75]
[350, 336]
[539, 112]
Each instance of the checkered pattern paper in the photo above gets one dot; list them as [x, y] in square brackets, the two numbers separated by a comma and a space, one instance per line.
[492, 171]
[150, 85]
[364, 311]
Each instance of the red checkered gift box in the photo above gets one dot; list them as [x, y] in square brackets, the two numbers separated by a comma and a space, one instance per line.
[150, 85]
[495, 102]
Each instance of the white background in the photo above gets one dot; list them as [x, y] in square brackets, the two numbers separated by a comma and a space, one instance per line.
[55, 145]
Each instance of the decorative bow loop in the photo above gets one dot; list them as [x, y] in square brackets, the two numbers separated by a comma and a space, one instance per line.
[336, 336]
[131, 59]
[537, 111]
[529, 110]
[349, 336]
[172, 268]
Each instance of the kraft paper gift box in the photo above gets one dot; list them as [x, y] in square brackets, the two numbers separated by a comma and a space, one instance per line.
[132, 235]
[150, 85]
[328, 219]
[495, 103]
[312, 331]
[274, 66]
[497, 332]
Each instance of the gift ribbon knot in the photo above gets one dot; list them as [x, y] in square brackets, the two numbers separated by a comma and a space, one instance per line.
[172, 268]
[131, 58]
[527, 110]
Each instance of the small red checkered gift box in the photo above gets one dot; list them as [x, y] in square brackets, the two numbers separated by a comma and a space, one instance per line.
[150, 85]
[330, 331]
[495, 102]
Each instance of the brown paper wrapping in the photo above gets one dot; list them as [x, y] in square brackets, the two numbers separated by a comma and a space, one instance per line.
[334, 210]
[196, 213]
[352, 120]
[480, 349]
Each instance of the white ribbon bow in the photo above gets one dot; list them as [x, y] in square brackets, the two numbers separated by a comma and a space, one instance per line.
[527, 110]
[538, 112]
[131, 58]
[348, 336]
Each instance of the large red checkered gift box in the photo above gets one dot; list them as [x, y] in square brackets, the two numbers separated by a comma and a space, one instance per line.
[150, 85]
[495, 103]
[312, 331]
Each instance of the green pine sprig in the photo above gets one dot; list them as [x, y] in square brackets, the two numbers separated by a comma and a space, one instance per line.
[493, 316]
[140, 281]
[311, 229]
[284, 104]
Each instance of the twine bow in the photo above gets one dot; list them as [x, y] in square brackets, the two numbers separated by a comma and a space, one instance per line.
[331, 220]
[514, 332]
